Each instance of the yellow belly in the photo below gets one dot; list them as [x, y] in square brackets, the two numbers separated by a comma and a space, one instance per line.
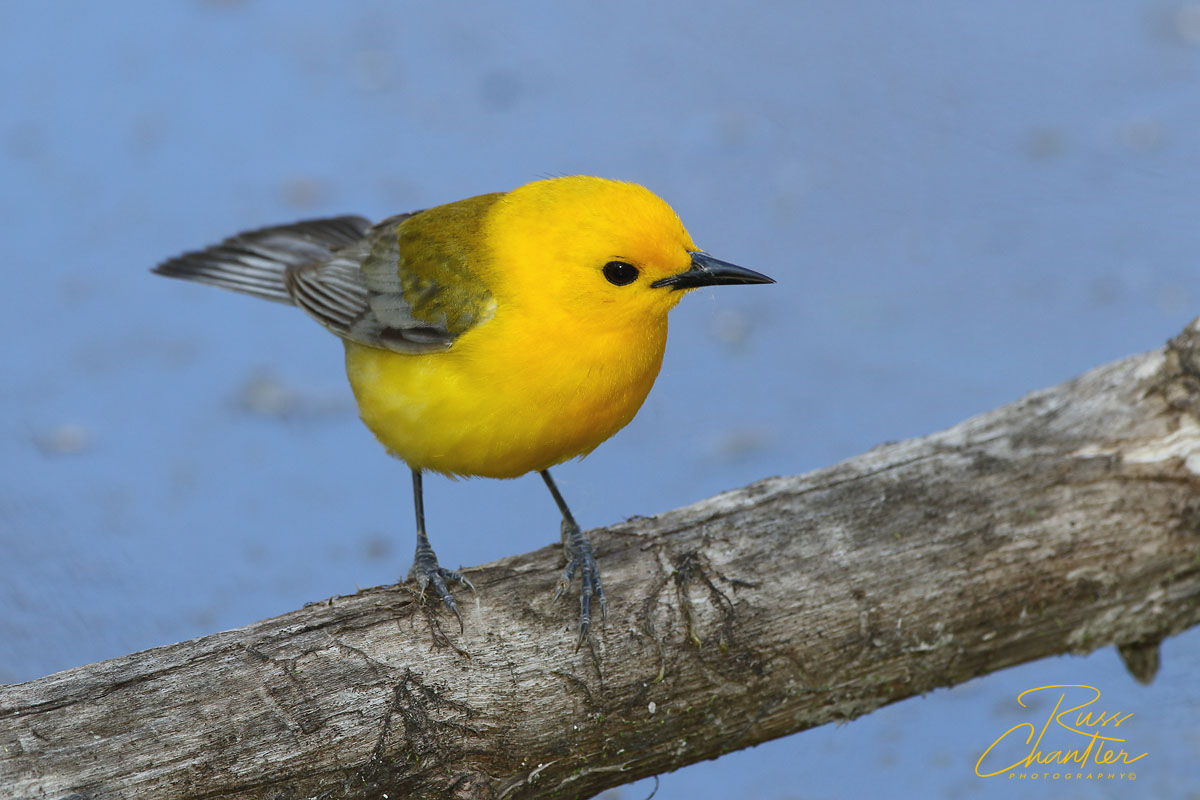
[502, 402]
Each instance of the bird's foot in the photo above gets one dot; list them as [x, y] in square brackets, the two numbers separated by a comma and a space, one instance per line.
[580, 558]
[427, 572]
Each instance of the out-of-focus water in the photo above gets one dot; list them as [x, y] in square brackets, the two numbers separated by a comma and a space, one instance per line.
[962, 202]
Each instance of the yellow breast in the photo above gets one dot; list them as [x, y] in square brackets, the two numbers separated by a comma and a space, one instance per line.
[511, 396]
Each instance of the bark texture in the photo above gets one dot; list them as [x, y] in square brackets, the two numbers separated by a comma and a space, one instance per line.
[1064, 522]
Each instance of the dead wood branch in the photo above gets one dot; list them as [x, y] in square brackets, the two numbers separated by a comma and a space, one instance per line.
[1064, 522]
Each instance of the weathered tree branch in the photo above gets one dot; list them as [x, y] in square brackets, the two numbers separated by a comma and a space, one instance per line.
[1063, 522]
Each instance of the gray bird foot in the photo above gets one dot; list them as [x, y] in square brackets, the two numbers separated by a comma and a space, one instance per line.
[581, 559]
[427, 572]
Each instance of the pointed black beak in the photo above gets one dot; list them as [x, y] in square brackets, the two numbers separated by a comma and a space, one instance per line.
[709, 271]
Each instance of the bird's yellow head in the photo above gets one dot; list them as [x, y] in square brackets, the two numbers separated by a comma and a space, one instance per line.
[597, 250]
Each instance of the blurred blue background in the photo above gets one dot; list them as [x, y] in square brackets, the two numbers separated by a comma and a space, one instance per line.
[962, 202]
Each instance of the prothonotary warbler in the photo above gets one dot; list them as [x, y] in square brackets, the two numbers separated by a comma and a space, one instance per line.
[494, 336]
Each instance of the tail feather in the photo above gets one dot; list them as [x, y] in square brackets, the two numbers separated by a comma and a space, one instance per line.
[255, 262]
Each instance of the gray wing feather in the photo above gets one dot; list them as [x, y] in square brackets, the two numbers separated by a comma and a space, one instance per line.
[255, 262]
[342, 271]
[358, 295]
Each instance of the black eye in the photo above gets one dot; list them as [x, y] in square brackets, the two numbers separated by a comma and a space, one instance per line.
[620, 273]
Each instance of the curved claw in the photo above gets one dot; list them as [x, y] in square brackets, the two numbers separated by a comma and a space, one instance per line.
[581, 558]
[426, 571]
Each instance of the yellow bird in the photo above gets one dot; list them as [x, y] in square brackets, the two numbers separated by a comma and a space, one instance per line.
[494, 336]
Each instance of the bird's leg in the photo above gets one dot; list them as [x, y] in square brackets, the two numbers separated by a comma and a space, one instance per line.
[425, 569]
[578, 551]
